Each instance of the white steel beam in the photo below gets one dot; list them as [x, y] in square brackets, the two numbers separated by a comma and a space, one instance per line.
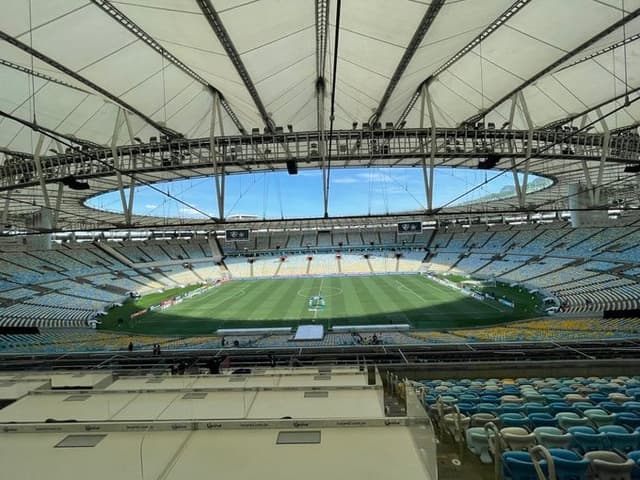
[39, 172]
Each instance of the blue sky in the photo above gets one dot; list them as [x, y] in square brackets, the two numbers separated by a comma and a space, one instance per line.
[279, 195]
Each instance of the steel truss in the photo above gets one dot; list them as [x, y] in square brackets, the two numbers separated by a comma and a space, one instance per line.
[349, 148]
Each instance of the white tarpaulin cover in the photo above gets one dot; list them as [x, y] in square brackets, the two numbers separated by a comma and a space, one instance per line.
[160, 57]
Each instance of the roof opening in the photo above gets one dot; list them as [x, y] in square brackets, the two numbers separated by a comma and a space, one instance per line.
[77, 398]
[316, 394]
[298, 437]
[75, 441]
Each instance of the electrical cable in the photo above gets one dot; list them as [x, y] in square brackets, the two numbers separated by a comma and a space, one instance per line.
[122, 172]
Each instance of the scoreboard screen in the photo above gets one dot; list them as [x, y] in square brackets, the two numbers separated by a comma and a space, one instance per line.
[409, 227]
[237, 235]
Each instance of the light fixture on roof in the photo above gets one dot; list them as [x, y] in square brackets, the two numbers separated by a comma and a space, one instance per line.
[290, 128]
[355, 125]
[74, 184]
[489, 162]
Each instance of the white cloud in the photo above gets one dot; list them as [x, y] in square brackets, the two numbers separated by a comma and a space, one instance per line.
[345, 180]
[309, 173]
[150, 206]
[191, 212]
[370, 177]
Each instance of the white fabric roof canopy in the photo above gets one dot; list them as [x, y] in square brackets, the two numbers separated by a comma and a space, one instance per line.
[276, 43]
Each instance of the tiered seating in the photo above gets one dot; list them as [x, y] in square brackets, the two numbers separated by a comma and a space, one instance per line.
[473, 262]
[443, 261]
[499, 267]
[293, 265]
[24, 314]
[383, 262]
[295, 240]
[26, 270]
[459, 240]
[324, 239]
[17, 293]
[68, 301]
[410, 261]
[355, 239]
[369, 238]
[134, 253]
[265, 266]
[309, 239]
[72, 279]
[572, 329]
[207, 271]
[262, 242]
[238, 266]
[497, 241]
[175, 252]
[93, 257]
[324, 264]
[587, 427]
[196, 250]
[279, 240]
[179, 274]
[354, 263]
[62, 263]
[550, 267]
[388, 237]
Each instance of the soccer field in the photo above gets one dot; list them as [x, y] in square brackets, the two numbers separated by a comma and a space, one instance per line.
[412, 299]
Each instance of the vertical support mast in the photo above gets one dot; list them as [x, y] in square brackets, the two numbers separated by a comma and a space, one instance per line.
[603, 157]
[127, 205]
[427, 171]
[5, 211]
[322, 26]
[218, 172]
[56, 212]
[39, 171]
[322, 145]
[521, 187]
[514, 170]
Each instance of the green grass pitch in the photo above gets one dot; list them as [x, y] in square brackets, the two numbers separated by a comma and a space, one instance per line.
[412, 299]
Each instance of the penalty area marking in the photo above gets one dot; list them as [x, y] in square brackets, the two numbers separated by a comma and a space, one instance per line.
[217, 300]
[402, 287]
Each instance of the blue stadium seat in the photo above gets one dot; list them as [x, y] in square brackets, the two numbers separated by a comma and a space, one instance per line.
[620, 438]
[586, 439]
[519, 466]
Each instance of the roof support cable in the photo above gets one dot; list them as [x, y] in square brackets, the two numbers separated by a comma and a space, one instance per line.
[33, 85]
[333, 97]
[584, 128]
[624, 51]
[96, 158]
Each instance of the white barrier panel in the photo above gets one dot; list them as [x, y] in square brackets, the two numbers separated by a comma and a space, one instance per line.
[506, 302]
[309, 332]
[252, 331]
[372, 328]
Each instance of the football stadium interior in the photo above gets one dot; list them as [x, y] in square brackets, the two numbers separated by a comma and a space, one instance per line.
[365, 239]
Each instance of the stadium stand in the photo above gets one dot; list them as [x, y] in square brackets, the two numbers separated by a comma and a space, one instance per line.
[588, 424]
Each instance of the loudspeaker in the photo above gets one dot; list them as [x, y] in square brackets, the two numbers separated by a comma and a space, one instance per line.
[292, 167]
[74, 184]
[490, 162]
